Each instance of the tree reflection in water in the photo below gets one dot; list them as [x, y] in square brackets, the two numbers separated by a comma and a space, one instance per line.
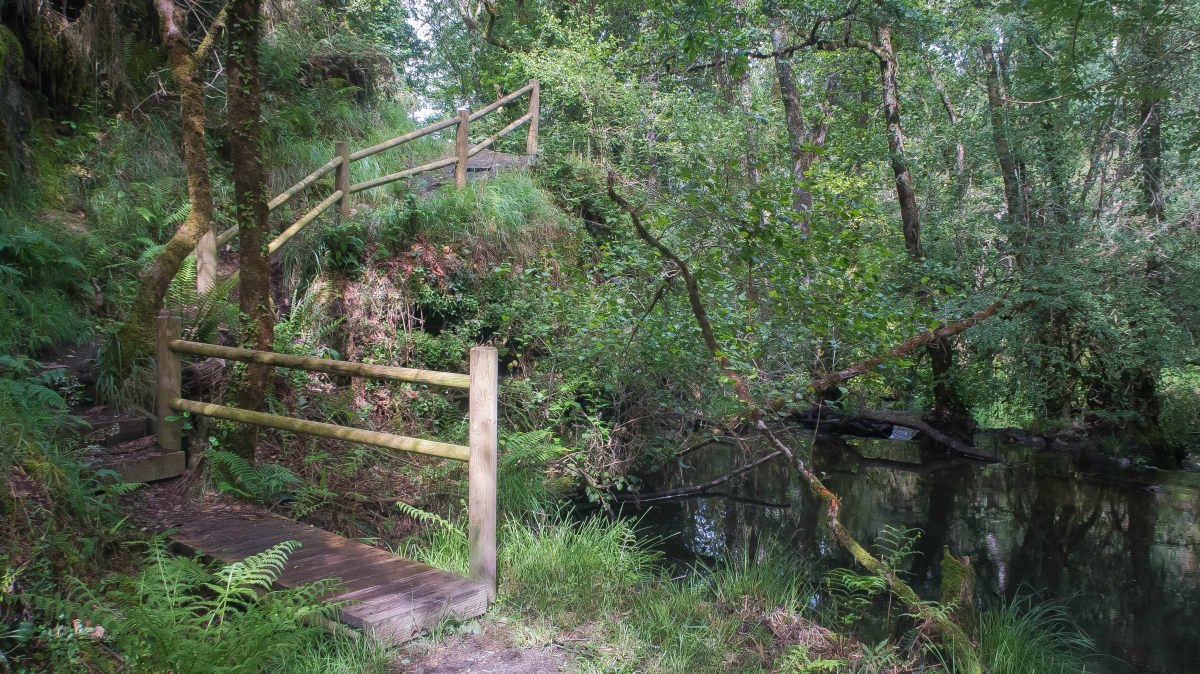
[1123, 557]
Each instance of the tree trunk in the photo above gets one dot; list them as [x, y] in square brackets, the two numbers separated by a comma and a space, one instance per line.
[960, 152]
[135, 340]
[1008, 170]
[249, 182]
[798, 133]
[909, 215]
[1150, 149]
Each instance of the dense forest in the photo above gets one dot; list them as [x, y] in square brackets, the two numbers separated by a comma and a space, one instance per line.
[832, 337]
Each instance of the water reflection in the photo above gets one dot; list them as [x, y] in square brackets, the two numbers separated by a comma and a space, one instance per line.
[1124, 556]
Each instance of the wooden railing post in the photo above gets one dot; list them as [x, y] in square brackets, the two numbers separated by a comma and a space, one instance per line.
[481, 541]
[342, 149]
[534, 109]
[462, 145]
[170, 433]
[206, 262]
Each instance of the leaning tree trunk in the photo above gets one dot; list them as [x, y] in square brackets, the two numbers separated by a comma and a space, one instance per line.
[907, 198]
[960, 151]
[135, 340]
[249, 183]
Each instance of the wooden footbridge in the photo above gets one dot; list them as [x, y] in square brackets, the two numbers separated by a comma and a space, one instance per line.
[392, 598]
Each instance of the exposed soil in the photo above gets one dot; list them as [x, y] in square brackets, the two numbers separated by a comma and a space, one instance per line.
[481, 654]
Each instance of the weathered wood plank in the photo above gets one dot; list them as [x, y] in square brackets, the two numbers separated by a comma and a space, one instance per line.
[398, 597]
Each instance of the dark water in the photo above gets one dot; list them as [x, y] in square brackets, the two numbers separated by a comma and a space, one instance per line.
[1127, 560]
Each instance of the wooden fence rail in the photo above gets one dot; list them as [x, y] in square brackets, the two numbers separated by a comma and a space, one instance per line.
[341, 164]
[482, 385]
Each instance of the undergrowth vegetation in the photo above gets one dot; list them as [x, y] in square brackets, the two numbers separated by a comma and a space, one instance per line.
[597, 578]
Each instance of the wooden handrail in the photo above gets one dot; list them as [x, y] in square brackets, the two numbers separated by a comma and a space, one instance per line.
[339, 367]
[299, 224]
[305, 182]
[383, 180]
[322, 430]
[502, 133]
[511, 97]
[482, 384]
[284, 196]
[463, 151]
[400, 140]
[296, 226]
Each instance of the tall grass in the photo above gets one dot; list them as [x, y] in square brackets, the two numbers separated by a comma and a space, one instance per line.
[598, 576]
[1027, 637]
[335, 655]
[583, 568]
[501, 208]
[775, 580]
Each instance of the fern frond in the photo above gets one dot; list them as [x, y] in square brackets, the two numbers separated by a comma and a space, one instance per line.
[179, 214]
[428, 517]
[266, 482]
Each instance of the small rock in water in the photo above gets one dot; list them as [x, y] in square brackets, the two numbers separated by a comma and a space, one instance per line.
[1123, 463]
[1038, 442]
[1155, 489]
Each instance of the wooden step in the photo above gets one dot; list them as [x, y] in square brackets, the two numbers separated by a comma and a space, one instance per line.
[141, 460]
[105, 427]
[392, 599]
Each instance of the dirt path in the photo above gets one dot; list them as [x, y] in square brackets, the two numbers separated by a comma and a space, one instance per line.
[480, 654]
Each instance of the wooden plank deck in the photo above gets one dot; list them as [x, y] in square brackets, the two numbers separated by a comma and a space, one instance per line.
[394, 598]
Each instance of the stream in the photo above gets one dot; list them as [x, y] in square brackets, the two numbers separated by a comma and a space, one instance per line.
[1120, 547]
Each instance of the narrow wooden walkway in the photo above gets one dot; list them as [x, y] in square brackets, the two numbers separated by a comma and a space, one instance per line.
[394, 598]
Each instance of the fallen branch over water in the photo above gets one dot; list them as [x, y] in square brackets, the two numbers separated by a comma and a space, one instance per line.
[946, 630]
[935, 434]
[698, 487]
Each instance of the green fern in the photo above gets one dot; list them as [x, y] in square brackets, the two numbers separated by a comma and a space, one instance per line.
[428, 518]
[265, 483]
[201, 312]
[522, 483]
[182, 617]
[178, 215]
